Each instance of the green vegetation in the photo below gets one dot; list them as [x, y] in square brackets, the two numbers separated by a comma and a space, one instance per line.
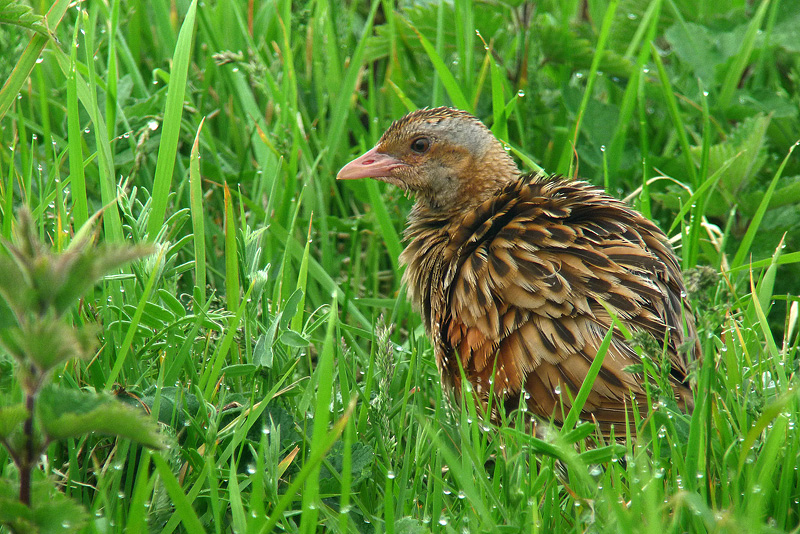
[269, 337]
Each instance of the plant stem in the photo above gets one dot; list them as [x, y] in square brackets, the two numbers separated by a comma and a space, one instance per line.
[28, 455]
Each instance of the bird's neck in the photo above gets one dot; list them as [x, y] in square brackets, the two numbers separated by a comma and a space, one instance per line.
[478, 179]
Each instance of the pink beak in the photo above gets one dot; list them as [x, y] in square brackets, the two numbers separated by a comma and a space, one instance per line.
[372, 164]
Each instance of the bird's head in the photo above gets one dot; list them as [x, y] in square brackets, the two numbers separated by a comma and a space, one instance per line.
[445, 156]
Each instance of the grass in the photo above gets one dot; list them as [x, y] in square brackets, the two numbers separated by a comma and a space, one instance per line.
[270, 336]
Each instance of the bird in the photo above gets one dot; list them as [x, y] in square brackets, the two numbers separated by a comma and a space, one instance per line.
[518, 277]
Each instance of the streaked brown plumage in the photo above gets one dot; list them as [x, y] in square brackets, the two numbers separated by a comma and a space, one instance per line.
[509, 271]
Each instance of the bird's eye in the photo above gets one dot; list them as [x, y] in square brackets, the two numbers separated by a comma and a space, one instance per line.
[420, 145]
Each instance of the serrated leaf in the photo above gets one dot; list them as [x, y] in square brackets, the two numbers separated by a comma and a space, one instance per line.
[48, 342]
[560, 45]
[68, 413]
[80, 275]
[177, 404]
[362, 457]
[11, 418]
[19, 14]
[51, 512]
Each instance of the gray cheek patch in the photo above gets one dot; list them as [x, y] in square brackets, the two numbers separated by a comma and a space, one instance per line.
[470, 134]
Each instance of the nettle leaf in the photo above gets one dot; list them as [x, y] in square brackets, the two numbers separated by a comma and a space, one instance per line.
[51, 512]
[744, 152]
[706, 50]
[17, 13]
[564, 46]
[11, 418]
[7, 317]
[362, 458]
[14, 287]
[786, 33]
[67, 412]
[49, 342]
[35, 279]
[177, 404]
[82, 273]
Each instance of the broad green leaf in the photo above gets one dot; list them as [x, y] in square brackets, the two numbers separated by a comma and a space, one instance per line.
[168, 146]
[51, 512]
[11, 418]
[293, 339]
[67, 413]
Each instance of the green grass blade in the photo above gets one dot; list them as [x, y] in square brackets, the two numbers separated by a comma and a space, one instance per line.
[675, 115]
[23, 68]
[183, 506]
[588, 382]
[123, 350]
[171, 125]
[310, 467]
[755, 223]
[232, 286]
[105, 155]
[80, 207]
[565, 163]
[198, 221]
[448, 80]
[733, 75]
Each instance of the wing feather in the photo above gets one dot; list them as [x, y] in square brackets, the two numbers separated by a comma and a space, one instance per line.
[530, 273]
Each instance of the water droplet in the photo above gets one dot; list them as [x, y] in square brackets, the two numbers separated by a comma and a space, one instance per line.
[390, 475]
[443, 521]
[602, 148]
[153, 125]
[557, 390]
[461, 494]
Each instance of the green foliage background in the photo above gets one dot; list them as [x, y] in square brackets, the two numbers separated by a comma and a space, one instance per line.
[270, 335]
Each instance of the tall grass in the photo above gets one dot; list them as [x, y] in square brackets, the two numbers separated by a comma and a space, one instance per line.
[270, 336]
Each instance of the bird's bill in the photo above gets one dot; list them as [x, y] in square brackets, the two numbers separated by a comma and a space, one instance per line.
[372, 164]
